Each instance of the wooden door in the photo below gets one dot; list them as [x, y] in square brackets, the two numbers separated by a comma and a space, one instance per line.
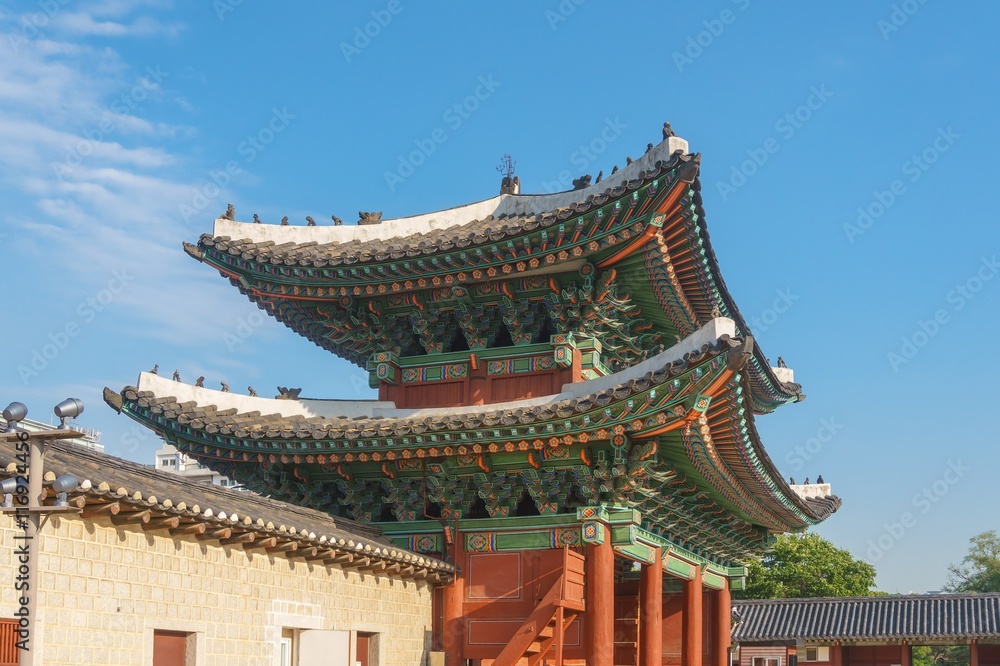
[878, 655]
[626, 629]
[8, 643]
[169, 648]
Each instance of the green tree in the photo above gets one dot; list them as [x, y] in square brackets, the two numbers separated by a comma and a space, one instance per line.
[980, 569]
[808, 565]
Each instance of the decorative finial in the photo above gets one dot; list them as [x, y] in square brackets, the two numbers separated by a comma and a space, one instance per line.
[177, 375]
[649, 147]
[781, 363]
[200, 382]
[285, 393]
[668, 131]
[819, 479]
[230, 213]
[225, 387]
[369, 218]
[582, 182]
[253, 394]
[628, 160]
[509, 183]
[256, 220]
[336, 221]
[614, 170]
[310, 222]
[284, 221]
[600, 177]
[156, 369]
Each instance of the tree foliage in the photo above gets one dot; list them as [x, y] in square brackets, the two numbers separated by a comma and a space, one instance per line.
[940, 655]
[808, 565]
[980, 568]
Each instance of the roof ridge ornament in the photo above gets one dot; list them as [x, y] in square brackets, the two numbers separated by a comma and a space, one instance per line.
[509, 184]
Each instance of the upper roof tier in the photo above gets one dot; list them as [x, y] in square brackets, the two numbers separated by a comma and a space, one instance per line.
[626, 261]
[401, 228]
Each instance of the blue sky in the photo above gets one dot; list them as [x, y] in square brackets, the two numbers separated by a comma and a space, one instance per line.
[849, 157]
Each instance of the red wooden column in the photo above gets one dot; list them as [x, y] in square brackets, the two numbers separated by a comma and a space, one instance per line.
[722, 626]
[905, 654]
[651, 612]
[836, 655]
[974, 653]
[600, 601]
[693, 620]
[453, 629]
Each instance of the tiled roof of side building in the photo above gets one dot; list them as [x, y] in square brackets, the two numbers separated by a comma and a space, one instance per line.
[112, 486]
[849, 619]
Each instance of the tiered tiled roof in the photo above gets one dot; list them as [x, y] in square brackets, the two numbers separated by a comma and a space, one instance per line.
[912, 618]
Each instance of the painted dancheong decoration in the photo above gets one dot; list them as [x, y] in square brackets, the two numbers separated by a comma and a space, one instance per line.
[566, 404]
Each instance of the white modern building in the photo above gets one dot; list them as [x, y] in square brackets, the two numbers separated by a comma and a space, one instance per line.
[169, 459]
[90, 440]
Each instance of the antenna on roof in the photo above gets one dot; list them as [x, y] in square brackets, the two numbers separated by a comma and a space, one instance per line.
[506, 166]
[510, 184]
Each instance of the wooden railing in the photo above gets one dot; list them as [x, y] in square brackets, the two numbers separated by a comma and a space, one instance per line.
[551, 618]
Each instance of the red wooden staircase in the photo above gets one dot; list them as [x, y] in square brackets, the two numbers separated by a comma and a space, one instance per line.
[540, 638]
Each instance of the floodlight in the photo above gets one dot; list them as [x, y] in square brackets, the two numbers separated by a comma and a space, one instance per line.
[65, 483]
[68, 409]
[15, 412]
[9, 486]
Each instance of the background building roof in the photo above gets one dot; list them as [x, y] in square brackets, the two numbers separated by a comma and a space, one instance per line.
[850, 619]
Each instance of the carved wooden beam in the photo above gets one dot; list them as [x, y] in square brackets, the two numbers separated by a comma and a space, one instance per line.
[327, 556]
[267, 542]
[190, 528]
[132, 517]
[306, 552]
[218, 533]
[162, 523]
[101, 510]
[245, 537]
[286, 547]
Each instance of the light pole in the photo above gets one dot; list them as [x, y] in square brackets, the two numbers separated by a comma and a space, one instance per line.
[29, 512]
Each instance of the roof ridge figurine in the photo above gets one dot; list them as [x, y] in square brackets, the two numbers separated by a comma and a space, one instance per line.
[369, 218]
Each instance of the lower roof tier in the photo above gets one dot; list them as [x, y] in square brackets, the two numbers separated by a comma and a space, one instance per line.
[672, 437]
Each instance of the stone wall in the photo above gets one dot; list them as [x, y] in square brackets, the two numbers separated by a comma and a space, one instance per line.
[105, 589]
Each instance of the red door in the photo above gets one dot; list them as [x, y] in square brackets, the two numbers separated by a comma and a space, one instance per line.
[169, 648]
[8, 642]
